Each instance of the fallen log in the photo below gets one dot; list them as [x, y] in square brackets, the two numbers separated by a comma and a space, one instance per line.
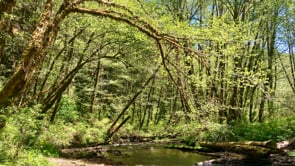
[251, 149]
[139, 138]
[284, 144]
[269, 150]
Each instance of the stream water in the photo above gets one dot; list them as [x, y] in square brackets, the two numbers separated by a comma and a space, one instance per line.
[152, 155]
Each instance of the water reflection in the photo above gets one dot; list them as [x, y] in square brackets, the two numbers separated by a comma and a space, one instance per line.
[152, 155]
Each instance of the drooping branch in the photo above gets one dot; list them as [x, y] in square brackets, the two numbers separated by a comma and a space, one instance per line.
[142, 26]
[118, 17]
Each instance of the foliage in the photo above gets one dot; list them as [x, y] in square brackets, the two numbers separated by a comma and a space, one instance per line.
[19, 134]
[68, 112]
[57, 135]
[27, 157]
[215, 132]
[208, 131]
[90, 133]
[9, 143]
[63, 134]
[273, 129]
[33, 158]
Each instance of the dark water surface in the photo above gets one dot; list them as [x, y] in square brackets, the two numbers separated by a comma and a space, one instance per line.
[153, 155]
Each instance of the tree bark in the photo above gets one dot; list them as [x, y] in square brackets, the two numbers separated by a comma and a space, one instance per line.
[96, 80]
[251, 149]
[56, 107]
[286, 143]
[43, 36]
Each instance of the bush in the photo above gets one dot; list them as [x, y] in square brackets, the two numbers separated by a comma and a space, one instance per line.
[90, 133]
[215, 132]
[189, 140]
[21, 132]
[24, 157]
[68, 110]
[31, 158]
[62, 134]
[58, 135]
[275, 129]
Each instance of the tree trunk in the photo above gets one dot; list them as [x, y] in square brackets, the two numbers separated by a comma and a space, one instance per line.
[2, 45]
[96, 80]
[111, 128]
[43, 36]
[56, 91]
[251, 149]
[56, 58]
[56, 107]
[286, 143]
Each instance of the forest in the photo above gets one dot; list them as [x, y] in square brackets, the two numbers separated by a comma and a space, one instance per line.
[83, 73]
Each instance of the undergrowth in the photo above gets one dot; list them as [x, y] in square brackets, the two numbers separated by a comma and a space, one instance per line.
[28, 138]
[272, 129]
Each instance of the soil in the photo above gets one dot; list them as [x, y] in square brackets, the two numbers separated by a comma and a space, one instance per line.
[87, 156]
[72, 162]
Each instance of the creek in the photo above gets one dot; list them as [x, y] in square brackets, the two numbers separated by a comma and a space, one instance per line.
[152, 155]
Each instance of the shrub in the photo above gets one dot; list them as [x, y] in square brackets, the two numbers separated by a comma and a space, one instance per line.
[90, 133]
[68, 110]
[58, 135]
[31, 158]
[274, 129]
[21, 132]
[215, 132]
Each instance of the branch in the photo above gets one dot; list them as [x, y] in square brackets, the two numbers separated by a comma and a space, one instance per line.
[142, 26]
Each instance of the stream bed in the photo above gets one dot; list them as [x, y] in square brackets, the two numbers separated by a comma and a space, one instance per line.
[152, 155]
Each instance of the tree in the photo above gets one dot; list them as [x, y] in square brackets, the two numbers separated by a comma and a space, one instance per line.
[46, 31]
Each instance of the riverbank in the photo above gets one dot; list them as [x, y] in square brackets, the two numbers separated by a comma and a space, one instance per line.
[127, 154]
[72, 162]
